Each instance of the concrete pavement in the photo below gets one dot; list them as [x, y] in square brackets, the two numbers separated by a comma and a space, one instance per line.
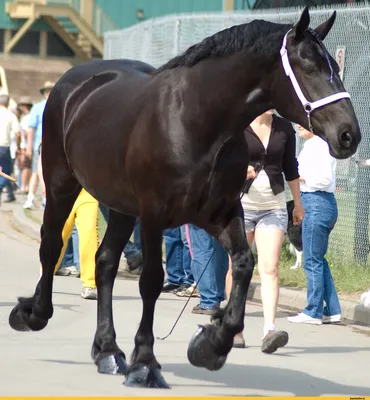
[318, 360]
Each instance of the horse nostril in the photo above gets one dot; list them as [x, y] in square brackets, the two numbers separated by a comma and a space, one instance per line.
[345, 139]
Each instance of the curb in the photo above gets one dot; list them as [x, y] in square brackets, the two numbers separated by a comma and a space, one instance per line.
[25, 224]
[289, 298]
[295, 300]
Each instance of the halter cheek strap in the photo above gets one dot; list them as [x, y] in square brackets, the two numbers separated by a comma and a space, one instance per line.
[307, 105]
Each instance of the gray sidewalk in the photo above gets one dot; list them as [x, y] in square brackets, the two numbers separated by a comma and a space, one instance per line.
[318, 360]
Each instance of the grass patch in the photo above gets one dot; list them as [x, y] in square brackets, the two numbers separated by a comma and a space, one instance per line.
[32, 217]
[348, 278]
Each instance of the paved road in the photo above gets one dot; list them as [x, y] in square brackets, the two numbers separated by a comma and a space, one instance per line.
[324, 360]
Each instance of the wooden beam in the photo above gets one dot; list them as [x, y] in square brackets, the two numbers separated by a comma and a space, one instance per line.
[229, 5]
[7, 37]
[87, 10]
[26, 10]
[43, 44]
[86, 30]
[18, 36]
[66, 37]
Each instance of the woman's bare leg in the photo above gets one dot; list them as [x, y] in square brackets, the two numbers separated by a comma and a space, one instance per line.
[269, 242]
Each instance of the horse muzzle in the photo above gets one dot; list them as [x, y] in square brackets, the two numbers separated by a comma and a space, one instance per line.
[345, 146]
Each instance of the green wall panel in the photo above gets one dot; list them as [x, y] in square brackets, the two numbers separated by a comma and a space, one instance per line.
[123, 12]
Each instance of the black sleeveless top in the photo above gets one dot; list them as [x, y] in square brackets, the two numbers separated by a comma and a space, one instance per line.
[280, 155]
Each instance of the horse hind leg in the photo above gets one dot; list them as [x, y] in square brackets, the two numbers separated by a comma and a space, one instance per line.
[62, 190]
[145, 371]
[33, 313]
[106, 354]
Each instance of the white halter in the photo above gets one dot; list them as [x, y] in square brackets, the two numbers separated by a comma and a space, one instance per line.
[307, 105]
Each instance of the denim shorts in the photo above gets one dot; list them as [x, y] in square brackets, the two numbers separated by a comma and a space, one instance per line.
[277, 219]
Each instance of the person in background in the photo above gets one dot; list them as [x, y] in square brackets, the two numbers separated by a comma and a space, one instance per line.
[178, 262]
[272, 149]
[9, 128]
[85, 215]
[317, 176]
[132, 250]
[205, 249]
[34, 138]
[365, 299]
[24, 163]
[70, 265]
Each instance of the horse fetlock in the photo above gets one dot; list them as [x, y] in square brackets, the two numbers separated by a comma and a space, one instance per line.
[44, 313]
[95, 352]
[218, 316]
[208, 349]
[24, 319]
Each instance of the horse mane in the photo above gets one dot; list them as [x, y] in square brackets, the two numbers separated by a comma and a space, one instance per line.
[229, 41]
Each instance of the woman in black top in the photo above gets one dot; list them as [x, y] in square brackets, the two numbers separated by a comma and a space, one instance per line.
[272, 149]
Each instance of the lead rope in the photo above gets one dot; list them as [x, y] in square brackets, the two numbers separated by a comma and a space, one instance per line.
[246, 185]
[187, 301]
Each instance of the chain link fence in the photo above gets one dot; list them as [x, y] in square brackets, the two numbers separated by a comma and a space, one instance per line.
[156, 41]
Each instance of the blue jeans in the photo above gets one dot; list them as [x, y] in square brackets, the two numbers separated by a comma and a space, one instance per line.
[72, 255]
[7, 166]
[178, 258]
[131, 249]
[321, 215]
[212, 285]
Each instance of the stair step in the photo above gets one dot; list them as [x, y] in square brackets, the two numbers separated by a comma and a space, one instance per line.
[67, 24]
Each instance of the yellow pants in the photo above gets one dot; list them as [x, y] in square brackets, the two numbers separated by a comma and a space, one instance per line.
[85, 214]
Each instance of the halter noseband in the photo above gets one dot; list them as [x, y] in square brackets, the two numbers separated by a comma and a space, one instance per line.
[307, 105]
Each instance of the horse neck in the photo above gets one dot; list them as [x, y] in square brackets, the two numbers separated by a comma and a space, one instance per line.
[234, 90]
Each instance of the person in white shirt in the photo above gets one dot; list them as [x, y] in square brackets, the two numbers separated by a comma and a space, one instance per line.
[317, 176]
[9, 129]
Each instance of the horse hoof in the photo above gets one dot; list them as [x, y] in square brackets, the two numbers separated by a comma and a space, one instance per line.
[114, 364]
[145, 377]
[24, 320]
[202, 352]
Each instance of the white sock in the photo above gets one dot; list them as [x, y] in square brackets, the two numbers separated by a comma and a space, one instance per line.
[267, 328]
[30, 197]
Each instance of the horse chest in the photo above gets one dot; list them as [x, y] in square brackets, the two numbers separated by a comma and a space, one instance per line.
[215, 185]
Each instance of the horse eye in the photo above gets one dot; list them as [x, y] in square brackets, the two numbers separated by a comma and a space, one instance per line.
[309, 69]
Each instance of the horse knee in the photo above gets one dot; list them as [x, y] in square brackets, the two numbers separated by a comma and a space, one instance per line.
[243, 265]
[50, 248]
[151, 283]
[105, 265]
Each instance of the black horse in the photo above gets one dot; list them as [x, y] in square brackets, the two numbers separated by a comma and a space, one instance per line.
[167, 145]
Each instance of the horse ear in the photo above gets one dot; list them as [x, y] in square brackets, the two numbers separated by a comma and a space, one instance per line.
[323, 29]
[301, 26]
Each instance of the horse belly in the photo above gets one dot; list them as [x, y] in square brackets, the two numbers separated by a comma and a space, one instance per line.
[102, 172]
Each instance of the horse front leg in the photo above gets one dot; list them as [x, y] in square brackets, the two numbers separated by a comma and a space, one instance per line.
[211, 344]
[105, 352]
[145, 371]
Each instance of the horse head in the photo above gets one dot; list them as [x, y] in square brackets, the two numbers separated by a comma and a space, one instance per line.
[308, 81]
